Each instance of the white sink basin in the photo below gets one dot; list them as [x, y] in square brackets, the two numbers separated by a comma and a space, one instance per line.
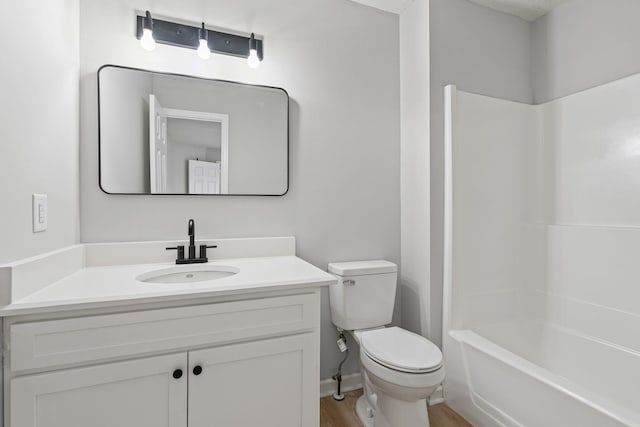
[188, 274]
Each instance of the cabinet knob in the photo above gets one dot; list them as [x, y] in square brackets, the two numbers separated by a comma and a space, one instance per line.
[197, 370]
[177, 373]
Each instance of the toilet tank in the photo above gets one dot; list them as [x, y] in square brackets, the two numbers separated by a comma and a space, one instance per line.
[364, 295]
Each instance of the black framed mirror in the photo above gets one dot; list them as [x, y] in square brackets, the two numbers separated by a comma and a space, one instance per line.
[173, 134]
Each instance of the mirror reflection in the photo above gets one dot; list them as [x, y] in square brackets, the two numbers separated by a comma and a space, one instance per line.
[171, 134]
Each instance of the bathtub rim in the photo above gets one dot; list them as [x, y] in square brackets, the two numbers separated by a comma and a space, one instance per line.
[543, 375]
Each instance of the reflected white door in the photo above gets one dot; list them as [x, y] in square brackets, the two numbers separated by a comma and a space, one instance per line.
[204, 177]
[157, 146]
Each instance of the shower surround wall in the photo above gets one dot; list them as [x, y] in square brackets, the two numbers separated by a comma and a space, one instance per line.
[481, 51]
[541, 280]
[338, 60]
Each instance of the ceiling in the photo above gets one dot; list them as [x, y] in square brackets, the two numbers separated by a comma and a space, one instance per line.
[529, 10]
[525, 9]
[394, 6]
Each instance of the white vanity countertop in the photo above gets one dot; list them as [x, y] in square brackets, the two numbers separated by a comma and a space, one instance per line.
[116, 286]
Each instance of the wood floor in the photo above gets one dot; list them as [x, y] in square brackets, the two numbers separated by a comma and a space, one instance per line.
[343, 414]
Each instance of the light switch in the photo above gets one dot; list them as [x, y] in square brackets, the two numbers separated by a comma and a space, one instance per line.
[40, 212]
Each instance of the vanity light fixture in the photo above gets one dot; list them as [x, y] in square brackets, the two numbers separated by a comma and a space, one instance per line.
[146, 38]
[253, 60]
[151, 31]
[203, 49]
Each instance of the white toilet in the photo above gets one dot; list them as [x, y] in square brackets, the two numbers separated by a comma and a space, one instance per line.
[400, 369]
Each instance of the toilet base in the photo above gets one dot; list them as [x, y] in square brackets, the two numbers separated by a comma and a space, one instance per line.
[364, 411]
[392, 412]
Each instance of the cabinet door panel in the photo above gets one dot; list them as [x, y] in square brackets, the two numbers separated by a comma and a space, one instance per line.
[271, 383]
[139, 393]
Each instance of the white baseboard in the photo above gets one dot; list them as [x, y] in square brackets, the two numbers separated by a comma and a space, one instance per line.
[349, 383]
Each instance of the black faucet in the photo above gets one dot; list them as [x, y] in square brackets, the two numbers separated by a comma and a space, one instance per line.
[192, 248]
[192, 239]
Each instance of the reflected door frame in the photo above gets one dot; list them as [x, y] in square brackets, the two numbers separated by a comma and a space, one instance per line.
[157, 146]
[223, 119]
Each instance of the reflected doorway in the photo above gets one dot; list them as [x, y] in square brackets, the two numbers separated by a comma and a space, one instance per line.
[188, 150]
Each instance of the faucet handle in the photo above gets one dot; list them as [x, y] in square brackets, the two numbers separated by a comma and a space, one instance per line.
[203, 250]
[180, 250]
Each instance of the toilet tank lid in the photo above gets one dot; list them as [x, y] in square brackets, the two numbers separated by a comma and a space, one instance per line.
[361, 268]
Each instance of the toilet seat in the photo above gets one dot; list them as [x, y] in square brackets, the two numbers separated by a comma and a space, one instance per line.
[400, 350]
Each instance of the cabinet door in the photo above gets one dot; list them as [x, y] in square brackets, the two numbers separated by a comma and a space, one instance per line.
[139, 393]
[271, 383]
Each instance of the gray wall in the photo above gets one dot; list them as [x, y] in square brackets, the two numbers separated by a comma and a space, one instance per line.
[481, 51]
[585, 43]
[414, 165]
[339, 62]
[39, 130]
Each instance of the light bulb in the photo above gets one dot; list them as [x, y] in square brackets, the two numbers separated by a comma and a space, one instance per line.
[203, 49]
[147, 41]
[253, 61]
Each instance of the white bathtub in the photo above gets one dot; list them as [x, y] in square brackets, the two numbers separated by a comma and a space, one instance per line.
[536, 374]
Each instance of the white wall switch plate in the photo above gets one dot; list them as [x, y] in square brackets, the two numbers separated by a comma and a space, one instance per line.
[40, 213]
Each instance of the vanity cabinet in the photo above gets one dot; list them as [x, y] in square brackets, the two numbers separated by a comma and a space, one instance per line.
[241, 363]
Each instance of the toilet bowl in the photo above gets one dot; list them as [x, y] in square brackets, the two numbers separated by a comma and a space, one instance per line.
[400, 369]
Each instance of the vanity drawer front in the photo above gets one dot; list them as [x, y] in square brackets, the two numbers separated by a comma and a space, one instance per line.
[58, 343]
